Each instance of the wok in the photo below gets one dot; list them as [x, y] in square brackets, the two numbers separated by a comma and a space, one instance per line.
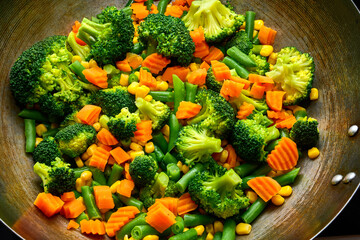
[329, 30]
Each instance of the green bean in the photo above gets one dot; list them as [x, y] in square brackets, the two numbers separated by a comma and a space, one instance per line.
[287, 178]
[126, 229]
[178, 227]
[115, 174]
[158, 152]
[138, 48]
[139, 232]
[175, 127]
[254, 211]
[98, 176]
[51, 132]
[117, 201]
[190, 234]
[131, 201]
[256, 49]
[90, 204]
[186, 178]
[82, 216]
[232, 64]
[160, 141]
[217, 236]
[191, 90]
[162, 6]
[192, 220]
[108, 215]
[179, 92]
[30, 135]
[229, 229]
[169, 158]
[33, 114]
[153, 155]
[250, 22]
[162, 96]
[77, 194]
[271, 145]
[128, 4]
[148, 4]
[300, 114]
[173, 171]
[107, 171]
[245, 169]
[240, 57]
[133, 78]
[256, 39]
[78, 68]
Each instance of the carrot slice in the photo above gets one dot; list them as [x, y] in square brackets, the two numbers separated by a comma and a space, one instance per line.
[120, 155]
[68, 196]
[220, 70]
[179, 71]
[72, 225]
[241, 80]
[155, 62]
[202, 49]
[287, 122]
[160, 218]
[231, 89]
[73, 208]
[187, 110]
[276, 115]
[48, 204]
[147, 79]
[245, 110]
[198, 77]
[125, 188]
[127, 173]
[96, 76]
[169, 202]
[75, 29]
[105, 137]
[99, 158]
[180, 2]
[186, 204]
[257, 91]
[119, 218]
[197, 35]
[154, 9]
[265, 187]
[284, 156]
[267, 35]
[274, 99]
[174, 10]
[231, 159]
[89, 114]
[123, 65]
[134, 60]
[205, 65]
[103, 198]
[139, 10]
[144, 131]
[214, 54]
[92, 227]
[255, 78]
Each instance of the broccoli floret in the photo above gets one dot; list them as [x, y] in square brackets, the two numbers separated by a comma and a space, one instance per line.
[70, 119]
[171, 189]
[241, 41]
[196, 144]
[218, 194]
[123, 125]
[259, 104]
[293, 73]
[169, 36]
[47, 151]
[143, 170]
[111, 38]
[77, 49]
[218, 21]
[156, 111]
[114, 75]
[216, 113]
[73, 140]
[211, 82]
[57, 178]
[249, 138]
[55, 109]
[112, 100]
[305, 132]
[262, 66]
[154, 190]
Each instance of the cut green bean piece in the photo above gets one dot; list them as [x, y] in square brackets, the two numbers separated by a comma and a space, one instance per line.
[186, 178]
[169, 158]
[131, 201]
[245, 169]
[33, 114]
[115, 175]
[250, 22]
[162, 96]
[173, 171]
[30, 135]
[175, 127]
[190, 234]
[128, 4]
[229, 230]
[98, 175]
[78, 68]
[191, 90]
[232, 64]
[141, 231]
[90, 204]
[254, 211]
[117, 201]
[178, 227]
[160, 141]
[81, 217]
[79, 171]
[217, 236]
[162, 6]
[51, 132]
[240, 57]
[126, 229]
[287, 178]
[192, 220]
[133, 78]
[179, 92]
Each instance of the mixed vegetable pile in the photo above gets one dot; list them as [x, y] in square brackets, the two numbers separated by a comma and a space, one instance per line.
[172, 121]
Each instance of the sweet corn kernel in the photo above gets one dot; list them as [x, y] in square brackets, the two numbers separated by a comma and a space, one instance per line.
[133, 87]
[86, 175]
[185, 169]
[271, 67]
[313, 153]
[159, 78]
[97, 126]
[223, 156]
[135, 40]
[79, 162]
[78, 184]
[224, 143]
[131, 238]
[135, 147]
[149, 147]
[85, 156]
[90, 151]
[179, 164]
[166, 130]
[87, 162]
[92, 63]
[209, 236]
[162, 86]
[243, 229]
[124, 80]
[272, 58]
[266, 50]
[227, 166]
[218, 226]
[76, 58]
[126, 237]
[258, 24]
[166, 138]
[142, 91]
[148, 98]
[134, 154]
[210, 228]
[243, 25]
[252, 196]
[85, 64]
[314, 94]
[193, 66]
[141, 143]
[298, 108]
[37, 141]
[277, 200]
[271, 174]
[114, 186]
[199, 229]
[285, 191]
[40, 129]
[151, 237]
[185, 229]
[255, 33]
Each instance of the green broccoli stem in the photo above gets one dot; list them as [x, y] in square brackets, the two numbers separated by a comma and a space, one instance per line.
[162, 96]
[186, 178]
[168, 159]
[179, 226]
[82, 51]
[30, 135]
[131, 201]
[191, 90]
[250, 22]
[188, 235]
[78, 68]
[115, 174]
[224, 184]
[287, 178]
[127, 10]
[192, 220]
[175, 127]
[240, 57]
[245, 169]
[254, 211]
[162, 6]
[217, 236]
[42, 171]
[33, 114]
[179, 92]
[229, 230]
[126, 229]
[90, 31]
[232, 64]
[141, 231]
[173, 171]
[160, 141]
[89, 200]
[81, 217]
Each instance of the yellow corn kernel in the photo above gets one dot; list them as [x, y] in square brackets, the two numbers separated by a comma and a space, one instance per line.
[271, 174]
[266, 50]
[135, 147]
[243, 229]
[124, 80]
[78, 184]
[185, 229]
[179, 164]
[137, 73]
[37, 141]
[166, 138]
[252, 196]
[223, 156]
[142, 91]
[149, 147]
[200, 229]
[162, 86]
[209, 236]
[92, 63]
[313, 153]
[86, 175]
[141, 143]
[258, 24]
[131, 238]
[97, 126]
[135, 40]
[40, 129]
[271, 67]
[87, 162]
[255, 33]
[114, 186]
[272, 58]
[210, 228]
[76, 58]
[218, 226]
[126, 237]
[148, 98]
[85, 64]
[193, 67]
[79, 162]
[185, 169]
[285, 191]
[277, 200]
[298, 108]
[133, 87]
[166, 130]
[227, 166]
[224, 142]
[90, 151]
[134, 154]
[151, 237]
[314, 94]
[243, 25]
[85, 156]
[159, 78]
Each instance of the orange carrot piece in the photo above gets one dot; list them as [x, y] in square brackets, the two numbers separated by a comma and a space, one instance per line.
[245, 110]
[92, 227]
[105, 147]
[231, 159]
[89, 114]
[284, 156]
[215, 54]
[186, 204]
[72, 225]
[103, 198]
[255, 78]
[120, 155]
[96, 76]
[170, 203]
[265, 187]
[205, 65]
[119, 218]
[144, 131]
[105, 137]
[99, 158]
[154, 9]
[276, 115]
[180, 2]
[220, 70]
[127, 173]
[241, 80]
[198, 77]
[68, 196]
[257, 91]
[187, 110]
[274, 99]
[73, 208]
[123, 65]
[202, 50]
[174, 10]
[287, 122]
[139, 10]
[197, 35]
[231, 89]
[155, 62]
[134, 60]
[147, 79]
[266, 35]
[125, 188]
[140, 1]
[75, 30]
[189, 2]
[48, 204]
[160, 218]
[179, 71]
